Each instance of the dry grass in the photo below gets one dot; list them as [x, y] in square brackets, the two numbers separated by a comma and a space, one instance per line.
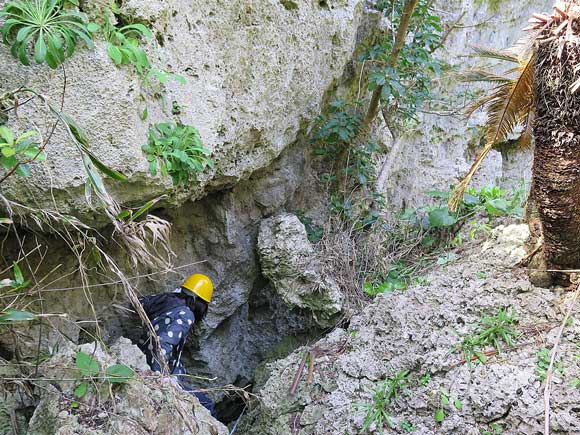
[353, 257]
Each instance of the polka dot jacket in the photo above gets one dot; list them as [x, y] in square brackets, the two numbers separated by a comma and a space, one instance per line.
[172, 328]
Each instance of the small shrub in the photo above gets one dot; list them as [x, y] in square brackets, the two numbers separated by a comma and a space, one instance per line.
[384, 394]
[340, 126]
[406, 86]
[492, 331]
[177, 150]
[52, 31]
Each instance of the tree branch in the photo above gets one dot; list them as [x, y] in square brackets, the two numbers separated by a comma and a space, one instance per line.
[373, 109]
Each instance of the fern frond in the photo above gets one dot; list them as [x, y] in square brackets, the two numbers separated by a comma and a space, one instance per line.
[509, 107]
[492, 53]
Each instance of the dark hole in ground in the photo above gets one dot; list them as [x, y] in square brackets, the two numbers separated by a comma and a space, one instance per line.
[229, 409]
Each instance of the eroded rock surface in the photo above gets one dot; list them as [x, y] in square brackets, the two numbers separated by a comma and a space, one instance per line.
[289, 261]
[419, 330]
[256, 72]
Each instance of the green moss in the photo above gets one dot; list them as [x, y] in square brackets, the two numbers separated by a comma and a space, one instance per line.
[289, 5]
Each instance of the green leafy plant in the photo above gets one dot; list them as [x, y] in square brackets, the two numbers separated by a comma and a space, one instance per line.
[384, 394]
[314, 232]
[131, 215]
[336, 128]
[493, 330]
[444, 403]
[124, 48]
[333, 136]
[9, 316]
[45, 25]
[406, 85]
[177, 150]
[398, 278]
[89, 369]
[407, 426]
[16, 152]
[543, 363]
[494, 429]
[425, 379]
[18, 282]
[438, 223]
[123, 45]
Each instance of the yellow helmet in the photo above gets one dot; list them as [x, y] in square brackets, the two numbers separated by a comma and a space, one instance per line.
[200, 285]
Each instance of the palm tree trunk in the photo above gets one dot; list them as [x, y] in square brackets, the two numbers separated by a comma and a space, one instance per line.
[556, 167]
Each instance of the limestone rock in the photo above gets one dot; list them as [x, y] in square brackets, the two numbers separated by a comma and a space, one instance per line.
[256, 72]
[419, 330]
[289, 261]
[509, 243]
[439, 149]
[143, 405]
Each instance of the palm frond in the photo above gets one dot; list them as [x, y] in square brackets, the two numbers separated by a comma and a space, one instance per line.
[512, 106]
[478, 104]
[525, 139]
[482, 75]
[509, 107]
[492, 53]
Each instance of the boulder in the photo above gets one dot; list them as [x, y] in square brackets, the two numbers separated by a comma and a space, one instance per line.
[289, 261]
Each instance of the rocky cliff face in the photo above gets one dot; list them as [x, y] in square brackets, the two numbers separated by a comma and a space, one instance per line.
[257, 72]
[443, 145]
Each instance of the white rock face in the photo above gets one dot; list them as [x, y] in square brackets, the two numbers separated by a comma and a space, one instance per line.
[442, 147]
[508, 243]
[255, 72]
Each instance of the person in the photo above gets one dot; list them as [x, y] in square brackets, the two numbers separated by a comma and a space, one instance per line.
[173, 315]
